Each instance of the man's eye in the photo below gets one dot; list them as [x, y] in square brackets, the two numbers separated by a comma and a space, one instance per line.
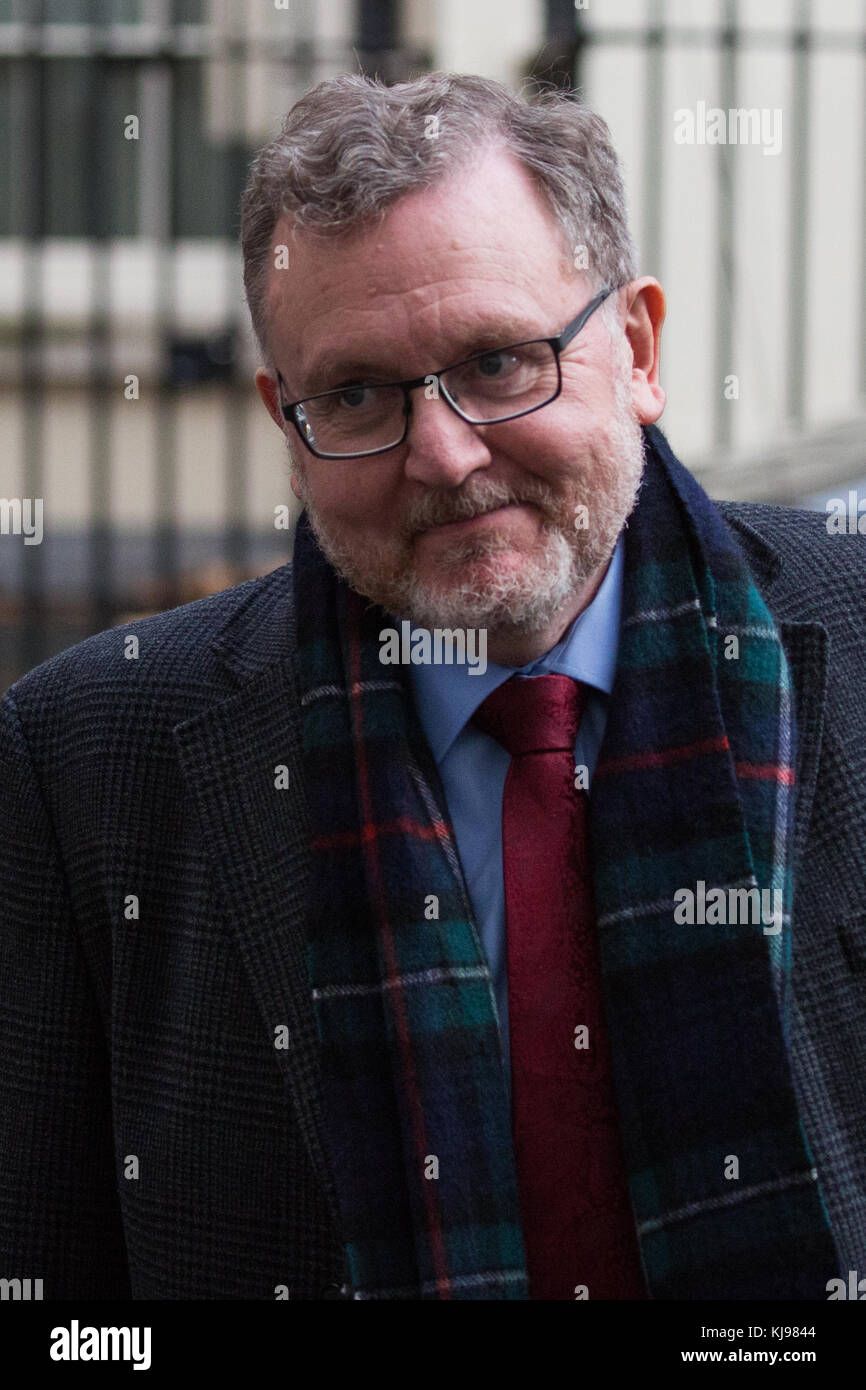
[353, 395]
[496, 364]
[348, 397]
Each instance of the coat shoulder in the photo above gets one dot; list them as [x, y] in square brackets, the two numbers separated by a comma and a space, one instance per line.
[816, 574]
[170, 661]
[779, 526]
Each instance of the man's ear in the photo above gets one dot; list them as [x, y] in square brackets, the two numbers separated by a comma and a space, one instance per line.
[267, 389]
[644, 316]
[297, 485]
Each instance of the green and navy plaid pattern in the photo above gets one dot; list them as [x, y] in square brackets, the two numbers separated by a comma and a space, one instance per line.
[694, 783]
[414, 1092]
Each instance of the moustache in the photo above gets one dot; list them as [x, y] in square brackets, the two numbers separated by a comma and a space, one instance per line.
[442, 512]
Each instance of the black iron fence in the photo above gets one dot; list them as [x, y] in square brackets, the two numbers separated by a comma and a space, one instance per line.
[126, 398]
[123, 121]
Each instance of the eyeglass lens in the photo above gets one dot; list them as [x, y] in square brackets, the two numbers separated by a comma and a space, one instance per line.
[493, 386]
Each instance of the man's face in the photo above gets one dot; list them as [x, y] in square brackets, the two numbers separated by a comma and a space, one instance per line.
[471, 264]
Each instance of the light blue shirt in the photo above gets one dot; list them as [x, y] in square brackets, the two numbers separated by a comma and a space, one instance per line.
[473, 766]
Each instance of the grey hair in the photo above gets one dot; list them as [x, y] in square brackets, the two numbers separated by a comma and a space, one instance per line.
[351, 147]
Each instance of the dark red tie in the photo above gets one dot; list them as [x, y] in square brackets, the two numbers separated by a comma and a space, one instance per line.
[576, 1212]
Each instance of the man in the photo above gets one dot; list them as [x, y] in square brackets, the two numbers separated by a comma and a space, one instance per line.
[331, 972]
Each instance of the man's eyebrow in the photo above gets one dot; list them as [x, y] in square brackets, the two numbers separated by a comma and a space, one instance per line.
[330, 367]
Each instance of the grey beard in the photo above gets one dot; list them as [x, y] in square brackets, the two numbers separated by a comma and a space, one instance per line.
[509, 603]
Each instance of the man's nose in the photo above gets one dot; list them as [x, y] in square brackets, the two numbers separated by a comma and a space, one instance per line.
[442, 447]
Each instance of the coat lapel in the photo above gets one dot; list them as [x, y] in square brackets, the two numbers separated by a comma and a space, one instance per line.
[806, 647]
[257, 833]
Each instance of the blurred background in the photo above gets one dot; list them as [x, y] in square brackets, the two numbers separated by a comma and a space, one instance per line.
[127, 402]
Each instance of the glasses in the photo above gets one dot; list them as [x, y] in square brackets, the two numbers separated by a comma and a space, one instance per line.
[356, 420]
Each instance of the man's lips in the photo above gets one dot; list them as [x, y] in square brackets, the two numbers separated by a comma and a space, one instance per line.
[479, 523]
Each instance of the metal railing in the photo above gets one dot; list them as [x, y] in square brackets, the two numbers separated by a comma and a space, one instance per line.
[120, 272]
[128, 135]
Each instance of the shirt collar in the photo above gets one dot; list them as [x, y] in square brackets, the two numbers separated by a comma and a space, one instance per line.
[446, 697]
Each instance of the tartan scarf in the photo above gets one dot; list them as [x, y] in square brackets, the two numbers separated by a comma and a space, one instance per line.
[693, 790]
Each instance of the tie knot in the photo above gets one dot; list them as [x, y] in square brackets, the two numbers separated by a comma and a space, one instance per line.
[533, 714]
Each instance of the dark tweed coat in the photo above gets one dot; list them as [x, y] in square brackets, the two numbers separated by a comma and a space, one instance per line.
[154, 1143]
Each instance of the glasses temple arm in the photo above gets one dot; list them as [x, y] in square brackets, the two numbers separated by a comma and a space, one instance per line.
[574, 328]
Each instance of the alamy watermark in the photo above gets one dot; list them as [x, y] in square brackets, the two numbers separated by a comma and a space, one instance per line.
[719, 907]
[76, 1343]
[22, 516]
[21, 1290]
[741, 125]
[855, 1288]
[846, 516]
[438, 646]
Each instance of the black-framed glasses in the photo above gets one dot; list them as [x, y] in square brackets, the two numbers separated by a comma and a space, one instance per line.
[359, 419]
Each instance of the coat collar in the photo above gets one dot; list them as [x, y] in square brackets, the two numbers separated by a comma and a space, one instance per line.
[259, 632]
